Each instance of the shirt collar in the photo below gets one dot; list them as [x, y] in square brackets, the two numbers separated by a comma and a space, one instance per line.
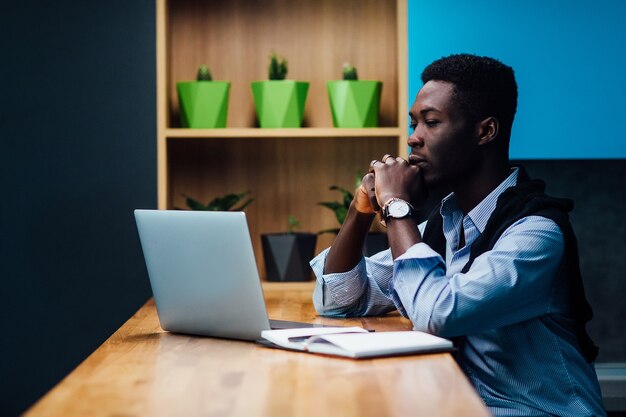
[481, 213]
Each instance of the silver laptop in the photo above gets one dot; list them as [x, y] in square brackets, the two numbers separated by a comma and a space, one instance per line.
[203, 273]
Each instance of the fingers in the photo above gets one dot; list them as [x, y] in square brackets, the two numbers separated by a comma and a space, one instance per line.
[362, 201]
[387, 160]
[368, 182]
[363, 195]
[374, 201]
[374, 162]
[390, 168]
[368, 186]
[390, 160]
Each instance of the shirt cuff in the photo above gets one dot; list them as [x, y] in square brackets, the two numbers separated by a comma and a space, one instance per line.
[345, 286]
[416, 262]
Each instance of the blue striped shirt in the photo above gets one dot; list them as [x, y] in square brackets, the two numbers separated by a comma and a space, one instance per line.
[521, 352]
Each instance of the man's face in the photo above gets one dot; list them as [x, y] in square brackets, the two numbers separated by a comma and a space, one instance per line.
[442, 142]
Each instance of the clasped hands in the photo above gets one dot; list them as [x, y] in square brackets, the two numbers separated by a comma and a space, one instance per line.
[389, 178]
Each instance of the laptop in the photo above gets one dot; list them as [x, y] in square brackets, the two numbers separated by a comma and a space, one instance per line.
[203, 274]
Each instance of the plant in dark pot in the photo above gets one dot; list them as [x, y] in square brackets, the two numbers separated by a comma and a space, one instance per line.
[287, 255]
[204, 102]
[224, 203]
[354, 103]
[375, 241]
[279, 102]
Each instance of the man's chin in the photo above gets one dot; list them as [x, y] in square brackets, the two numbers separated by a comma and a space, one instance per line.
[432, 181]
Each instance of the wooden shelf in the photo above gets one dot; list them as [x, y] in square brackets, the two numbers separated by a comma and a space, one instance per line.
[305, 132]
[292, 175]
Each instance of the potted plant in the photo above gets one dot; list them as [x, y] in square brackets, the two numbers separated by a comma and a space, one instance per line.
[204, 102]
[279, 102]
[354, 103]
[224, 203]
[375, 241]
[287, 255]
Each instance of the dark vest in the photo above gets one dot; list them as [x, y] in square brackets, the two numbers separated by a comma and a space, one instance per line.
[525, 199]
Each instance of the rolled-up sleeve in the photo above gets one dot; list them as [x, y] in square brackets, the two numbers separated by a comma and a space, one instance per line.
[511, 283]
[362, 291]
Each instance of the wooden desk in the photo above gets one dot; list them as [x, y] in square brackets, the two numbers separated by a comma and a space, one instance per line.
[142, 370]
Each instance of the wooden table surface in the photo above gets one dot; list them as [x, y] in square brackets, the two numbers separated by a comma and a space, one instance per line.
[142, 370]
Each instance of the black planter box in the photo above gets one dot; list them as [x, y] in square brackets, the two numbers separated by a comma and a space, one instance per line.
[287, 256]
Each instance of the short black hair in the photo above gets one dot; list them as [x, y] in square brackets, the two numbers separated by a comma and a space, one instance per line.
[483, 86]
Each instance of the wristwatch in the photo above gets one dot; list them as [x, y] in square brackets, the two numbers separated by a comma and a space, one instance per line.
[395, 208]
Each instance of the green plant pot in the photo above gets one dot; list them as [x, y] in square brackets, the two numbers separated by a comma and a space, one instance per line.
[354, 103]
[203, 104]
[280, 103]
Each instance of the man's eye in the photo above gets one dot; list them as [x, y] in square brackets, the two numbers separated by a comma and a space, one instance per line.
[432, 123]
[412, 126]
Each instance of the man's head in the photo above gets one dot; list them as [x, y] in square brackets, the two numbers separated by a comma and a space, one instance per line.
[483, 87]
[462, 118]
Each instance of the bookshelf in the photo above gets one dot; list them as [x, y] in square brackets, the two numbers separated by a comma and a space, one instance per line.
[288, 171]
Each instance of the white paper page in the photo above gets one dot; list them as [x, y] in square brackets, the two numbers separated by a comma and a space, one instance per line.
[281, 336]
[385, 342]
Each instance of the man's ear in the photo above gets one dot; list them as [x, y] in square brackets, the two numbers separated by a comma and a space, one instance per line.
[487, 130]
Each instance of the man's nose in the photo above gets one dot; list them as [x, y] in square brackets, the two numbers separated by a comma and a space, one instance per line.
[415, 139]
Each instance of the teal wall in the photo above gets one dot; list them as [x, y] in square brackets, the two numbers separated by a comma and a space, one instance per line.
[569, 58]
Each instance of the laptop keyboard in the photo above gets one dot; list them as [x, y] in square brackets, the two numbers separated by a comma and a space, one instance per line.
[284, 324]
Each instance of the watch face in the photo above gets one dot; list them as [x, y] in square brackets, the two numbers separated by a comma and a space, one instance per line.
[399, 209]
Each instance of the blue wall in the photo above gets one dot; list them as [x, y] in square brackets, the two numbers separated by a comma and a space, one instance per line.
[569, 58]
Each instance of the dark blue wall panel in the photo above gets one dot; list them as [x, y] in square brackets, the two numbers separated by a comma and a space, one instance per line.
[77, 155]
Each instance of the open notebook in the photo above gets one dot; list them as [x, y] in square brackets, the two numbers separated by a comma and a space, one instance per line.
[355, 342]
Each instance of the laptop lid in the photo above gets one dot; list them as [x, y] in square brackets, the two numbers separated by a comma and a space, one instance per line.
[203, 272]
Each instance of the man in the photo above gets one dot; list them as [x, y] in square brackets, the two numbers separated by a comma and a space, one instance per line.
[495, 266]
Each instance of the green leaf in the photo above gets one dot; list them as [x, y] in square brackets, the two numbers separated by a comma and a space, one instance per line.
[244, 205]
[341, 208]
[224, 203]
[333, 205]
[195, 204]
[204, 74]
[278, 67]
[341, 214]
[349, 72]
[337, 208]
[359, 179]
[347, 195]
[292, 223]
